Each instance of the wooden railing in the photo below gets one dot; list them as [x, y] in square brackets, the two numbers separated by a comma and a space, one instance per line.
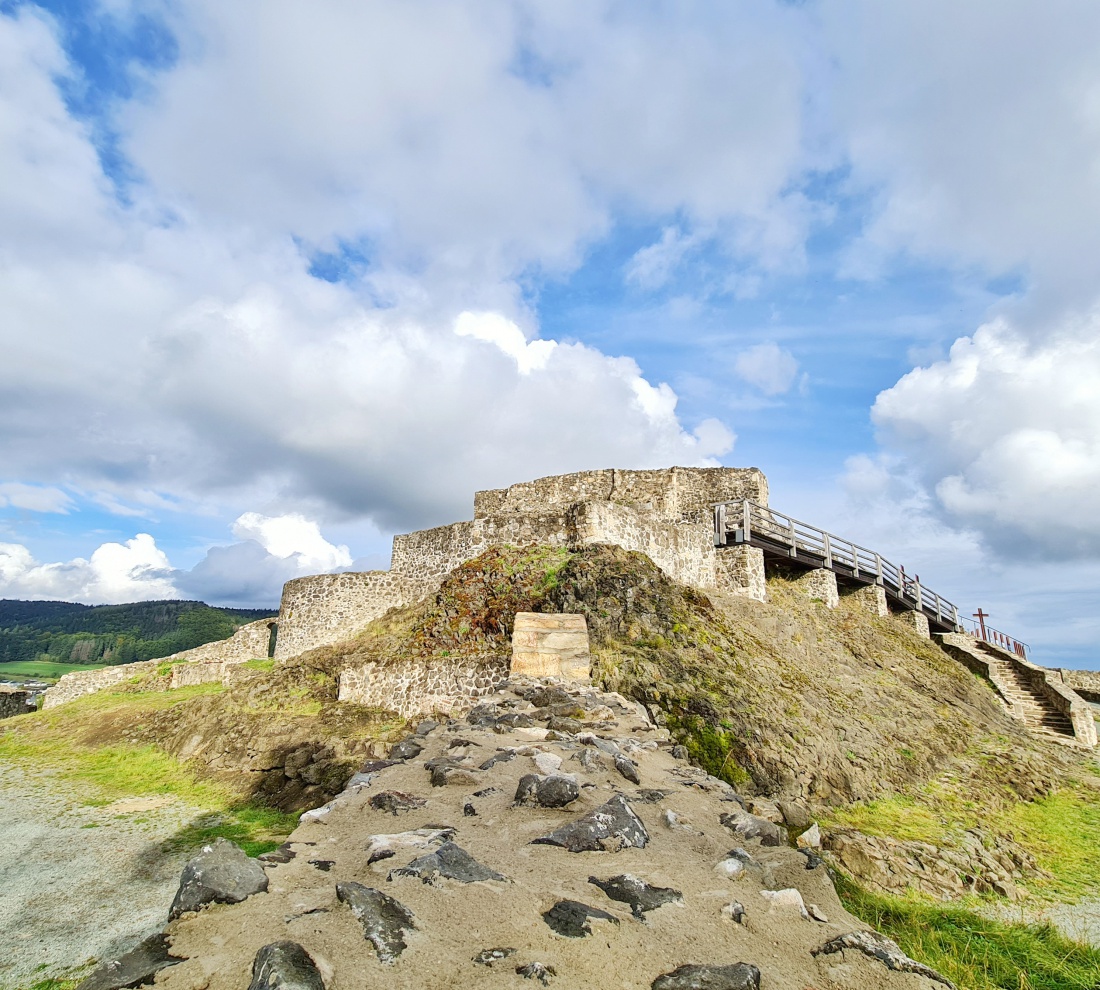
[995, 637]
[748, 522]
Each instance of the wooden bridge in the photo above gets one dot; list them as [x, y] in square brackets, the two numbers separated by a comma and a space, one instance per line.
[795, 543]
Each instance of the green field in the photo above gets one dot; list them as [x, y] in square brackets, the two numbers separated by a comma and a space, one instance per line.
[43, 669]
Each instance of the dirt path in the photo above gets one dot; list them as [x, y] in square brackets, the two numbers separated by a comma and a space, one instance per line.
[78, 882]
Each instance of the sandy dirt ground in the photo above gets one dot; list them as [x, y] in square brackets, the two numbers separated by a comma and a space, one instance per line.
[78, 882]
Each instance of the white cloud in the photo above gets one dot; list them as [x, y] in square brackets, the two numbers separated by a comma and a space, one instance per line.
[136, 570]
[507, 336]
[293, 535]
[768, 367]
[651, 267]
[1007, 433]
[36, 498]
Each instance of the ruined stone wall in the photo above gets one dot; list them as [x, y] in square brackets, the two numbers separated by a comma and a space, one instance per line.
[250, 642]
[13, 702]
[675, 493]
[1085, 682]
[327, 608]
[82, 682]
[739, 569]
[422, 686]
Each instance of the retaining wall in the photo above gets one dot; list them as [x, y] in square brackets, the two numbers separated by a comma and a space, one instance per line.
[326, 608]
[1085, 682]
[739, 569]
[422, 686]
[14, 702]
[675, 493]
[82, 682]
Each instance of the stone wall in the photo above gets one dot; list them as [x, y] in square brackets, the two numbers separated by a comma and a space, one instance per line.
[870, 599]
[422, 686]
[918, 620]
[1085, 682]
[739, 569]
[14, 702]
[82, 682]
[675, 493]
[250, 642]
[327, 608]
[821, 585]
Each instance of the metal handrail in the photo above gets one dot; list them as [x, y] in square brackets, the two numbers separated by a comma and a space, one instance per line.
[759, 522]
[995, 637]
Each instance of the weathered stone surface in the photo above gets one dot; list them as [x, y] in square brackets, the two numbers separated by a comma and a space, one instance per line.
[284, 854]
[285, 966]
[735, 912]
[628, 769]
[795, 814]
[748, 826]
[610, 827]
[407, 749]
[134, 968]
[634, 891]
[550, 645]
[498, 758]
[740, 976]
[450, 862]
[788, 900]
[395, 801]
[811, 838]
[570, 918]
[385, 846]
[385, 920]
[555, 791]
[885, 950]
[221, 873]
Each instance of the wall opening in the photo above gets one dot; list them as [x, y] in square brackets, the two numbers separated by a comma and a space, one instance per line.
[272, 638]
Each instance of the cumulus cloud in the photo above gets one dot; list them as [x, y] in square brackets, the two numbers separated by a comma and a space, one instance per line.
[116, 572]
[36, 498]
[292, 535]
[768, 367]
[1006, 431]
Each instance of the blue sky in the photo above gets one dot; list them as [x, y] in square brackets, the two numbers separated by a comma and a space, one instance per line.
[280, 280]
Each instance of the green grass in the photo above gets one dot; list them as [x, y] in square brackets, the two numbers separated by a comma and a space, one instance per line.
[46, 670]
[974, 952]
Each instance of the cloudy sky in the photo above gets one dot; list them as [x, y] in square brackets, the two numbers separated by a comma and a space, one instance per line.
[279, 279]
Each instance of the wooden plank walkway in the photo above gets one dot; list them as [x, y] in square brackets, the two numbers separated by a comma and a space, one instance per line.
[795, 543]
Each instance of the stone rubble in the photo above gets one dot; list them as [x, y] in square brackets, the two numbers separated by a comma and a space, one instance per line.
[345, 905]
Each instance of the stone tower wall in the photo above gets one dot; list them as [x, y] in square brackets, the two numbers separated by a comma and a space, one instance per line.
[327, 608]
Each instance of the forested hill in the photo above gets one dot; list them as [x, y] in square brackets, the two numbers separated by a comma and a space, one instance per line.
[68, 632]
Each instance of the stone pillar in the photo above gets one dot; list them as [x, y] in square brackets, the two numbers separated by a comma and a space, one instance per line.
[740, 570]
[870, 599]
[918, 620]
[820, 584]
[551, 645]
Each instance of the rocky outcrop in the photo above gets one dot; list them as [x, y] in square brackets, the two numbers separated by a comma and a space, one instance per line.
[617, 886]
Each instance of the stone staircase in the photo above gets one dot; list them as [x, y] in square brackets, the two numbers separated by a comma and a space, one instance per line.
[1028, 705]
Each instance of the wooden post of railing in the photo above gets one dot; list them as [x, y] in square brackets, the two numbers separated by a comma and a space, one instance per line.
[746, 520]
[955, 615]
[916, 588]
[828, 551]
[794, 539]
[878, 569]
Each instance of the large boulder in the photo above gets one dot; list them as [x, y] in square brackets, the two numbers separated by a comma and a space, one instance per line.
[136, 967]
[221, 873]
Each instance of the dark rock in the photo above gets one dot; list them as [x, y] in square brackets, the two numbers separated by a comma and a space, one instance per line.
[285, 966]
[748, 826]
[498, 758]
[407, 749]
[486, 957]
[373, 766]
[740, 976]
[636, 892]
[445, 770]
[284, 854]
[885, 950]
[512, 720]
[537, 971]
[607, 746]
[449, 861]
[628, 769]
[134, 968]
[487, 792]
[395, 801]
[564, 725]
[813, 861]
[544, 697]
[384, 920]
[680, 753]
[426, 726]
[735, 911]
[588, 757]
[557, 791]
[221, 873]
[458, 741]
[649, 796]
[570, 918]
[324, 865]
[469, 810]
[527, 789]
[610, 827]
[485, 715]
